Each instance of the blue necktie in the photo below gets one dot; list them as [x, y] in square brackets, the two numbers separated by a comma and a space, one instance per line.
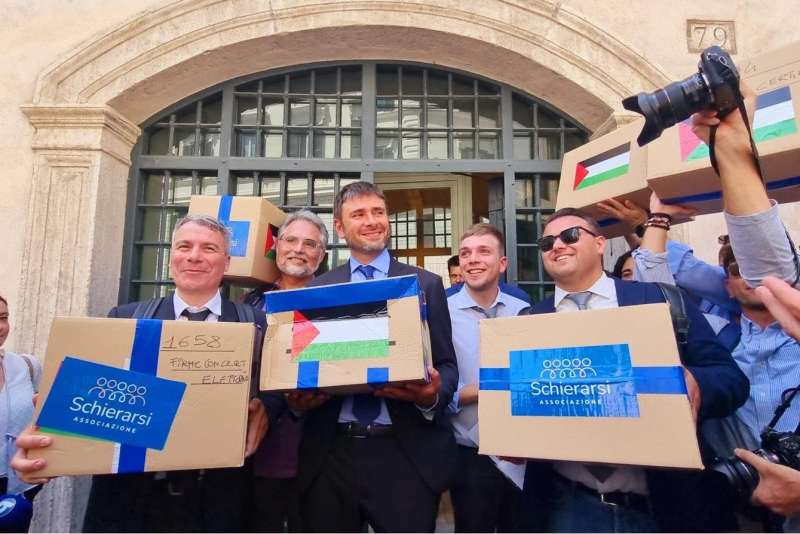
[366, 406]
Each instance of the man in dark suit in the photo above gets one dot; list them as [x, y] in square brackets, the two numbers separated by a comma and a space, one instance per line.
[209, 500]
[381, 459]
[573, 497]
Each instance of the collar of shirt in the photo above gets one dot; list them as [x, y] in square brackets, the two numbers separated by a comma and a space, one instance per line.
[463, 300]
[604, 287]
[381, 263]
[750, 328]
[214, 305]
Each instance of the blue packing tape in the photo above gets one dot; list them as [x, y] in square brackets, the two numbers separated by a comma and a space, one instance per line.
[224, 212]
[312, 298]
[144, 359]
[650, 380]
[377, 376]
[307, 375]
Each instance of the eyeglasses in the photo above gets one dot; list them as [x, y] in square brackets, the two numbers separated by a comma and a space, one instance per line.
[568, 237]
[291, 240]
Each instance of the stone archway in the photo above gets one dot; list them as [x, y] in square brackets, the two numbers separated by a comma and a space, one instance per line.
[88, 104]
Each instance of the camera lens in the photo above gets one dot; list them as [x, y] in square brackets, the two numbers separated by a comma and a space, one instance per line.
[664, 107]
[742, 477]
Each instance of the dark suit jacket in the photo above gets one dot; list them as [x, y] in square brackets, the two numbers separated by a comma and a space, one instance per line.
[429, 444]
[682, 500]
[126, 503]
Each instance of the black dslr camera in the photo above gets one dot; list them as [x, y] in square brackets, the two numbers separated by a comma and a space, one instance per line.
[781, 448]
[715, 86]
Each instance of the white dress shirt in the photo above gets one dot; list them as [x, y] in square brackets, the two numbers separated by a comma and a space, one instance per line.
[214, 306]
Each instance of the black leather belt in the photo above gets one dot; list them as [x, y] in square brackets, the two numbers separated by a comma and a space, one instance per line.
[634, 501]
[357, 430]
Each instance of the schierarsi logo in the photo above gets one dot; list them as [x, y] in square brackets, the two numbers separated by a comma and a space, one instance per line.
[567, 368]
[119, 390]
[112, 404]
[573, 380]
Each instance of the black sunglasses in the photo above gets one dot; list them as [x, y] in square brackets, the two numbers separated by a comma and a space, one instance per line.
[568, 237]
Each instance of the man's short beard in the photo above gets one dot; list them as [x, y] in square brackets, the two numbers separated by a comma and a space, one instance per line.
[298, 271]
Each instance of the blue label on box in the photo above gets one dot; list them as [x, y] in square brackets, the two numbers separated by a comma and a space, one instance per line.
[99, 401]
[595, 381]
[240, 231]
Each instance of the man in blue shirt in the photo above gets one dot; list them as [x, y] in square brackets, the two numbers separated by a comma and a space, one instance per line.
[484, 500]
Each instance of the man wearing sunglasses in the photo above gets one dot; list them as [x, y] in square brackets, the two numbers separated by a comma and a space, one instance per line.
[573, 497]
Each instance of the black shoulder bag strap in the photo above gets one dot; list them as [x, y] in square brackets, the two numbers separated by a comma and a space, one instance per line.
[677, 309]
[246, 314]
[146, 309]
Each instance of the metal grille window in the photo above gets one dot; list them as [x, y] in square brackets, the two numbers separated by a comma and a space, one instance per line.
[193, 130]
[431, 114]
[540, 133]
[307, 114]
[535, 200]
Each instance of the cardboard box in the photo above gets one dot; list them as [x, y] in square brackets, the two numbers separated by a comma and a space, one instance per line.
[611, 166]
[346, 338]
[254, 224]
[182, 404]
[679, 169]
[585, 386]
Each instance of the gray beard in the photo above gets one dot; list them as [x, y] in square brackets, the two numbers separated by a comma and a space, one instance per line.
[295, 270]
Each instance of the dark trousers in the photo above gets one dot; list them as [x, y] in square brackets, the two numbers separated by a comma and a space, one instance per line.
[275, 505]
[484, 500]
[187, 501]
[368, 481]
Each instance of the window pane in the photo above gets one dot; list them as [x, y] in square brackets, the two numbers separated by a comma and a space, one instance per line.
[437, 83]
[180, 189]
[187, 115]
[273, 111]
[323, 191]
[488, 113]
[246, 110]
[386, 147]
[245, 186]
[153, 189]
[210, 142]
[549, 145]
[462, 113]
[299, 112]
[158, 142]
[412, 81]
[151, 225]
[246, 143]
[250, 87]
[387, 110]
[325, 144]
[300, 82]
[276, 84]
[351, 80]
[462, 85]
[573, 141]
[148, 260]
[437, 113]
[522, 146]
[351, 114]
[463, 146]
[437, 145]
[526, 227]
[528, 263]
[351, 145]
[387, 81]
[522, 113]
[273, 144]
[412, 113]
[548, 191]
[489, 147]
[212, 111]
[488, 88]
[183, 143]
[297, 192]
[325, 82]
[298, 144]
[524, 187]
[209, 185]
[411, 146]
[545, 119]
[325, 113]
[271, 189]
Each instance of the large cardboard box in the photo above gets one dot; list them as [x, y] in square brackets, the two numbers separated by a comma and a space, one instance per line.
[611, 166]
[586, 386]
[346, 338]
[679, 169]
[254, 224]
[127, 395]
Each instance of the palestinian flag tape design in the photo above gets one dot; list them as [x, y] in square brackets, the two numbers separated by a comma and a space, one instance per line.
[342, 339]
[606, 166]
[774, 118]
[271, 242]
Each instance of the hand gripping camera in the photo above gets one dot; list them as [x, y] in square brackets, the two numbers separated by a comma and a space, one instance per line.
[715, 86]
[781, 448]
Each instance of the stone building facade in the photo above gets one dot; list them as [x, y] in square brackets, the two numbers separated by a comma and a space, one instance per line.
[85, 79]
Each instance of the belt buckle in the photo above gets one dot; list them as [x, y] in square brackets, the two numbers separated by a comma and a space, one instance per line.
[604, 501]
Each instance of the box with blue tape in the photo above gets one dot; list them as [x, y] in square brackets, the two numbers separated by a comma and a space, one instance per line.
[253, 223]
[346, 337]
[586, 386]
[128, 395]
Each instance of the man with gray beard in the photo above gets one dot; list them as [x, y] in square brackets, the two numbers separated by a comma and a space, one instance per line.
[302, 241]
